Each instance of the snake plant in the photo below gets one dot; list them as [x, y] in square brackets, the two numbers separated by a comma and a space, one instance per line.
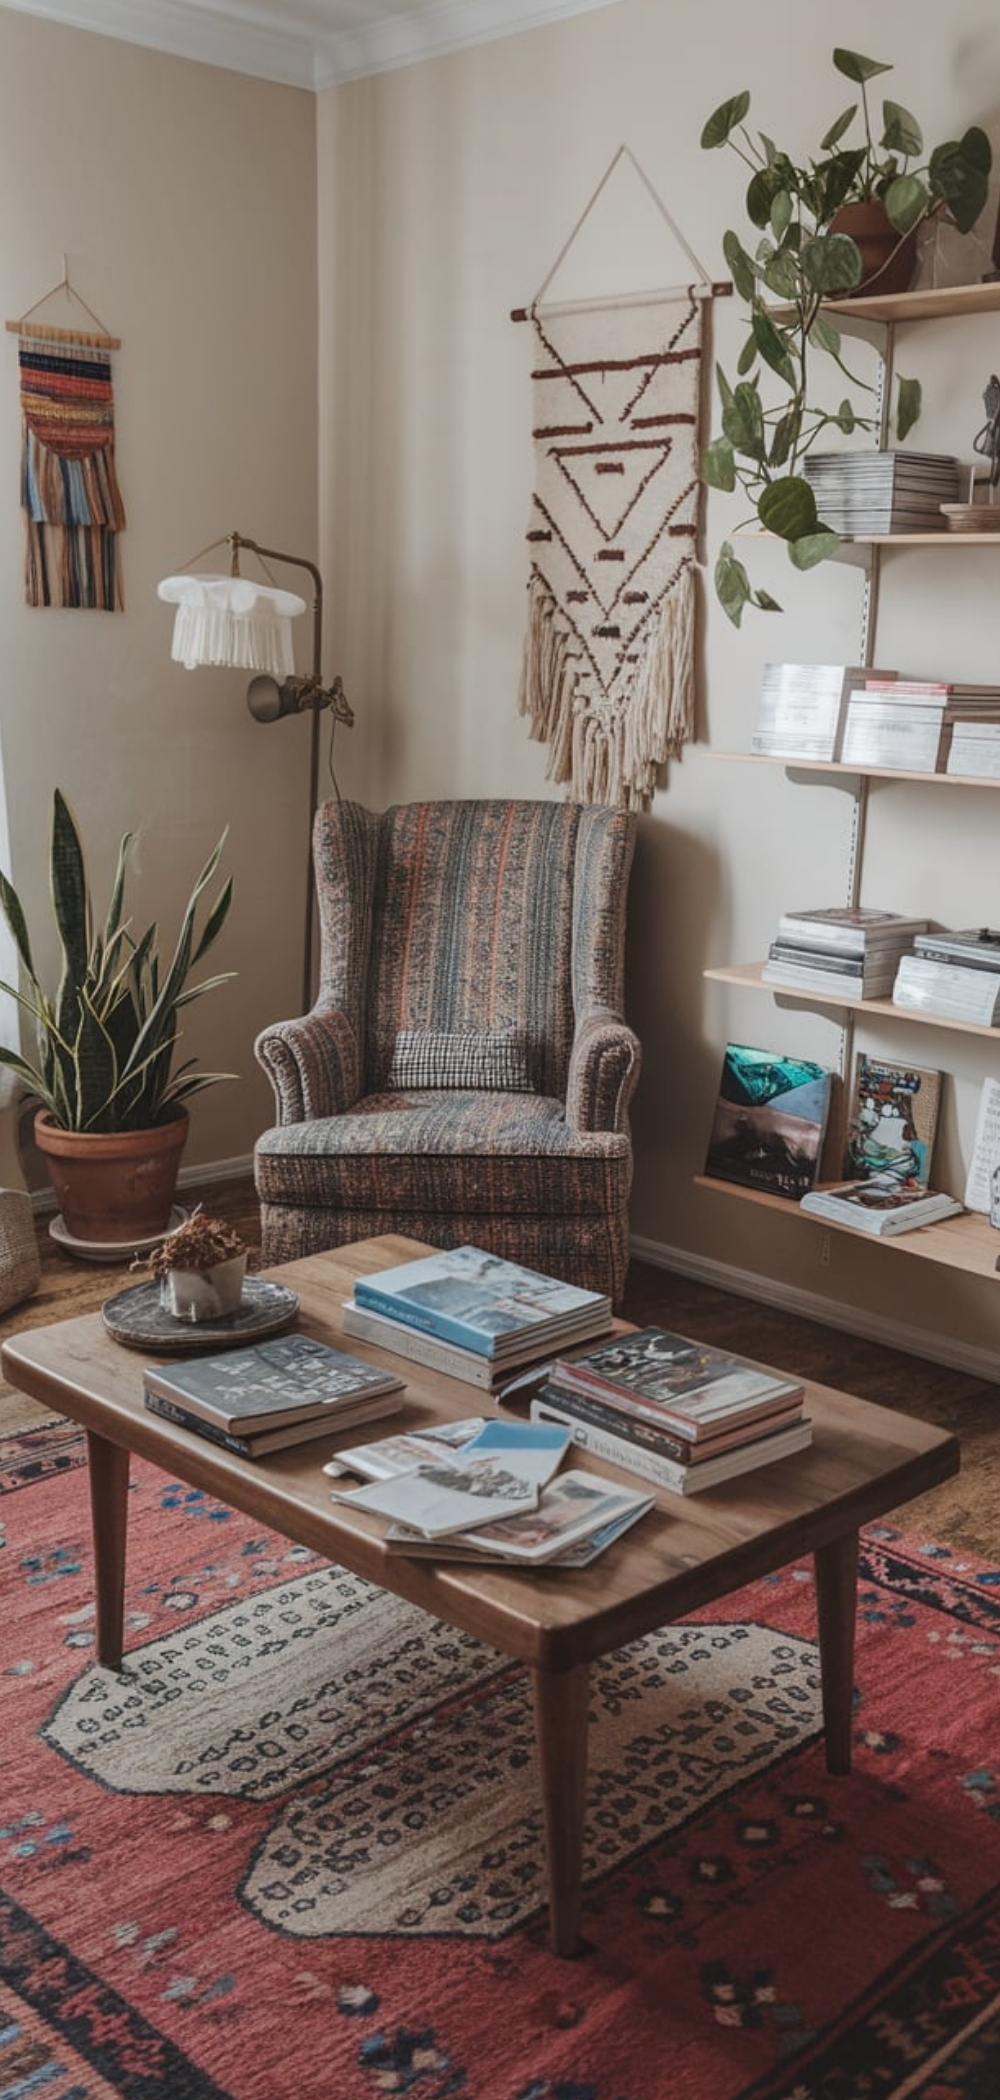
[106, 1042]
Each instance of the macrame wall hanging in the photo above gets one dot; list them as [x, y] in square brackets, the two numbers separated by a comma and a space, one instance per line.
[73, 510]
[608, 676]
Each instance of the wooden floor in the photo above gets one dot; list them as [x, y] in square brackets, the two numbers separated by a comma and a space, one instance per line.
[965, 1513]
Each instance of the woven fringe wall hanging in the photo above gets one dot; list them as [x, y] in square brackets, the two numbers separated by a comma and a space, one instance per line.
[70, 497]
[608, 675]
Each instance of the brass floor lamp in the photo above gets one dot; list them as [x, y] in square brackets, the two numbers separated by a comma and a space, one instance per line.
[239, 623]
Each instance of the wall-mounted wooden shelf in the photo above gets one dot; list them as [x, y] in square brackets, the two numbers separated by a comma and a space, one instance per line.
[836, 766]
[748, 977]
[968, 1242]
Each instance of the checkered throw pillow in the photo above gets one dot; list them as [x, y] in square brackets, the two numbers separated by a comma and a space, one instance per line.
[478, 1060]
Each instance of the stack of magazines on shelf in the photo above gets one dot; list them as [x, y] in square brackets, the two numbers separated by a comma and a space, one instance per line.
[486, 1491]
[870, 492]
[898, 724]
[472, 1315]
[956, 975]
[677, 1412]
[261, 1399]
[841, 950]
[803, 707]
[881, 1204]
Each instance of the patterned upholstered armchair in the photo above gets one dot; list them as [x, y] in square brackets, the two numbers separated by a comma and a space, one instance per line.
[465, 1074]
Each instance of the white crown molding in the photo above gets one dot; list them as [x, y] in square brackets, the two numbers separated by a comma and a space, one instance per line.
[271, 46]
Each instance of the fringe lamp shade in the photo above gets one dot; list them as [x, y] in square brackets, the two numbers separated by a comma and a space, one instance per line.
[233, 621]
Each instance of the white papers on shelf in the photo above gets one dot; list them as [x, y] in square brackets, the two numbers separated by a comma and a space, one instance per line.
[985, 1148]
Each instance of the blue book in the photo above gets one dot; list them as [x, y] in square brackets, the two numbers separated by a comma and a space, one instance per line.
[483, 1303]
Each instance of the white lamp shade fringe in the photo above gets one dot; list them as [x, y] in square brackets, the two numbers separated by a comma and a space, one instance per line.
[233, 621]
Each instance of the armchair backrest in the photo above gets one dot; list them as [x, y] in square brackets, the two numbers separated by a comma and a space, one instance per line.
[457, 916]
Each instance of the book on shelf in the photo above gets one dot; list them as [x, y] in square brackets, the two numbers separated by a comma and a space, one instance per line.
[974, 750]
[683, 1386]
[769, 1121]
[851, 929]
[985, 1151]
[976, 947]
[948, 989]
[259, 1442]
[801, 709]
[500, 1473]
[870, 976]
[878, 491]
[419, 1347]
[292, 1379]
[668, 1473]
[485, 1304]
[892, 1119]
[880, 1205]
[657, 1436]
[577, 1517]
[898, 735]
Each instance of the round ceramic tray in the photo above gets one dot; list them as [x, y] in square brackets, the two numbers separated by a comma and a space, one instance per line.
[137, 1319]
[971, 517]
[112, 1250]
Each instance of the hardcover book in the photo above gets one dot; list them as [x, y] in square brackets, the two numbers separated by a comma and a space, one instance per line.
[288, 1380]
[770, 1121]
[892, 1121]
[447, 1357]
[483, 1303]
[686, 1386]
[666, 1472]
[282, 1433]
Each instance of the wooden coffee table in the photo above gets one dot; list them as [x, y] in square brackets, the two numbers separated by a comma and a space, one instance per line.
[686, 1552]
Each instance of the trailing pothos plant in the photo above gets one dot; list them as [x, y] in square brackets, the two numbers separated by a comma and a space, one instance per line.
[106, 1042]
[801, 259]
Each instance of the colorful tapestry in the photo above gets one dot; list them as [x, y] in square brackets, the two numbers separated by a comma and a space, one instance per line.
[294, 1849]
[70, 496]
[608, 673]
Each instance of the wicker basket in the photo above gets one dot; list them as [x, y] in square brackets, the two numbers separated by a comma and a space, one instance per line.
[20, 1263]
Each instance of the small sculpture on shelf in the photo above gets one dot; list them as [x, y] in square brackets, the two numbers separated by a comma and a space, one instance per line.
[201, 1268]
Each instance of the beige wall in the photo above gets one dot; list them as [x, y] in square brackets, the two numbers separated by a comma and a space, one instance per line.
[184, 200]
[446, 192]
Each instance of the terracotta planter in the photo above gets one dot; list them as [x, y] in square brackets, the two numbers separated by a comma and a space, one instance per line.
[113, 1185]
[888, 258]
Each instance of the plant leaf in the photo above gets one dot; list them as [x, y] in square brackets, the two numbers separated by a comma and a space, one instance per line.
[741, 269]
[825, 335]
[831, 262]
[743, 422]
[773, 347]
[732, 584]
[725, 119]
[837, 130]
[959, 174]
[787, 507]
[718, 465]
[902, 133]
[906, 201]
[813, 547]
[908, 405]
[855, 67]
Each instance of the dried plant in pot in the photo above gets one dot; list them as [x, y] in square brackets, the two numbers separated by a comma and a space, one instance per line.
[804, 254]
[201, 1267]
[113, 1117]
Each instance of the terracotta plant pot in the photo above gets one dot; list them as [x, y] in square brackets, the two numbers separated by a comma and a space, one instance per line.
[888, 258]
[113, 1186]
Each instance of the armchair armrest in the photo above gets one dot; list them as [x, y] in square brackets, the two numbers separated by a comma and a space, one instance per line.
[603, 1074]
[313, 1064]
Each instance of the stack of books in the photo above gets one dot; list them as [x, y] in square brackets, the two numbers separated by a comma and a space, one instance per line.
[473, 1316]
[882, 1204]
[956, 975]
[840, 949]
[802, 709]
[897, 724]
[973, 723]
[677, 1412]
[252, 1401]
[875, 492]
[487, 1492]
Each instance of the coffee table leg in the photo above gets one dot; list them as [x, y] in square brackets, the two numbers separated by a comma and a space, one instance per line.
[561, 1704]
[108, 1467]
[836, 1601]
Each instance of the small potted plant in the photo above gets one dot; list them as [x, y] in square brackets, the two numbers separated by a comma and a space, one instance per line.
[113, 1121]
[201, 1267]
[806, 253]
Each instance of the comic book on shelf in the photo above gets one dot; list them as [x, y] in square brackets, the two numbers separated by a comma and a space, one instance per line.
[769, 1121]
[892, 1120]
[880, 1206]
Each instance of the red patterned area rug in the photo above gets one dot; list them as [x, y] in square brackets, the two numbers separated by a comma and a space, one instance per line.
[293, 1852]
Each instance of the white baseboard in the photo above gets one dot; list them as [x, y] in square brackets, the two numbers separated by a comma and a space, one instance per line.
[829, 1312]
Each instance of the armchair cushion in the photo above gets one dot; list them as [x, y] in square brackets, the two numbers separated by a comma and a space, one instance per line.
[487, 1060]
